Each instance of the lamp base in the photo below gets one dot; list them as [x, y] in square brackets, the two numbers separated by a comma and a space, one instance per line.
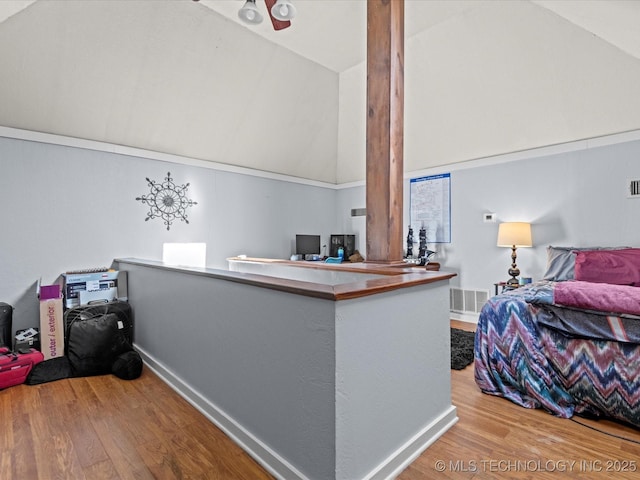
[513, 282]
[514, 271]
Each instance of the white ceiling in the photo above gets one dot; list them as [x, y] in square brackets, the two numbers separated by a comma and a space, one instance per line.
[187, 78]
[614, 21]
[335, 30]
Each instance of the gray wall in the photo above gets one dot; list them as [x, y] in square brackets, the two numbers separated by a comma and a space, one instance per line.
[577, 198]
[261, 361]
[72, 208]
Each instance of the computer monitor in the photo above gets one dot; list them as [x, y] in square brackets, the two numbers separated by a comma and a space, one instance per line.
[307, 244]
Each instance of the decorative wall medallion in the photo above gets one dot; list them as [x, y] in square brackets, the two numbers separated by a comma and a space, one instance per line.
[167, 201]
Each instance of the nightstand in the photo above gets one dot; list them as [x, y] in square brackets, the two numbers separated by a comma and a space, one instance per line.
[504, 287]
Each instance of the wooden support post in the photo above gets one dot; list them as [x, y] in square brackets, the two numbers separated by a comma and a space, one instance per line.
[385, 129]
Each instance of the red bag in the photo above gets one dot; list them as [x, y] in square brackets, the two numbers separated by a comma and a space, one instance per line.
[14, 367]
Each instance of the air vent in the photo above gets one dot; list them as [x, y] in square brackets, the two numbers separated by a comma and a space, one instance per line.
[457, 300]
[634, 189]
[467, 301]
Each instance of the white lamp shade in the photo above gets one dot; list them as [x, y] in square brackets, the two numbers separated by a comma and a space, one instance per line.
[283, 10]
[514, 234]
[249, 13]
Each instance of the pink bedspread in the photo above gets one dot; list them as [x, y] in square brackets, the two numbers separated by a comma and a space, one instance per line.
[603, 297]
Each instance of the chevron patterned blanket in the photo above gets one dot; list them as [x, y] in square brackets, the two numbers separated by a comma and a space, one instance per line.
[522, 356]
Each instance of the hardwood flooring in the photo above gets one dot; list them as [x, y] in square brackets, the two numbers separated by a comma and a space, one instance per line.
[104, 428]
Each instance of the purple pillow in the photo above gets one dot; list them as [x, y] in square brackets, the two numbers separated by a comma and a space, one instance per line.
[617, 267]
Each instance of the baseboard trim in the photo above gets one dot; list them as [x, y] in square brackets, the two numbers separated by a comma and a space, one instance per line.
[464, 317]
[413, 448]
[258, 450]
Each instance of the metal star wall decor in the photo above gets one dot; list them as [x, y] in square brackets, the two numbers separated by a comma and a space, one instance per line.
[166, 200]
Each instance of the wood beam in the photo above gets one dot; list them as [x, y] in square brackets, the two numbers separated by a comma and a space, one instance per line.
[385, 130]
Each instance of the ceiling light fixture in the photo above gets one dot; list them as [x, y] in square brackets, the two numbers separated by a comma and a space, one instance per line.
[280, 12]
[249, 13]
[283, 10]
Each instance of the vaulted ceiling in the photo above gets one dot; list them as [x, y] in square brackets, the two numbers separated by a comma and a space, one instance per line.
[186, 78]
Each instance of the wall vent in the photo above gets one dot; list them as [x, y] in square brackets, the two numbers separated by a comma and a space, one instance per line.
[634, 189]
[467, 301]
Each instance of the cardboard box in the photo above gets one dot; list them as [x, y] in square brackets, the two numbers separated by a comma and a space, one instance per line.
[82, 288]
[51, 322]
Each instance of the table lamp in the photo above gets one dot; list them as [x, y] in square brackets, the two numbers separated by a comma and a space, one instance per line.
[514, 235]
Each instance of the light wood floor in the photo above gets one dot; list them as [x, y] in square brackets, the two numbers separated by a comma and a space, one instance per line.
[105, 428]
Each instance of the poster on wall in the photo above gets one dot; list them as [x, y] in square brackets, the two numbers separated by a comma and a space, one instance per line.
[430, 200]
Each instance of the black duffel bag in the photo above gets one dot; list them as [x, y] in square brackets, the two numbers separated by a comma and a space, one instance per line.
[98, 340]
[122, 310]
[96, 335]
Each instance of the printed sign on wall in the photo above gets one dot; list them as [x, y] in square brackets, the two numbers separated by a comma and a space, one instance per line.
[430, 199]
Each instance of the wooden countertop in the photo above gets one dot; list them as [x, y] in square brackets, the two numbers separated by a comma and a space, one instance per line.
[393, 277]
[396, 276]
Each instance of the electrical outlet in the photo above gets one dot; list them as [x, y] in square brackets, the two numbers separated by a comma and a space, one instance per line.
[489, 217]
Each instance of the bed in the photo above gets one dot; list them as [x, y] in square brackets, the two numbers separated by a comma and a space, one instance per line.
[569, 343]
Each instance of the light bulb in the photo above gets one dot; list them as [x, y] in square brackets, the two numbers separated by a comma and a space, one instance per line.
[251, 15]
[283, 10]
